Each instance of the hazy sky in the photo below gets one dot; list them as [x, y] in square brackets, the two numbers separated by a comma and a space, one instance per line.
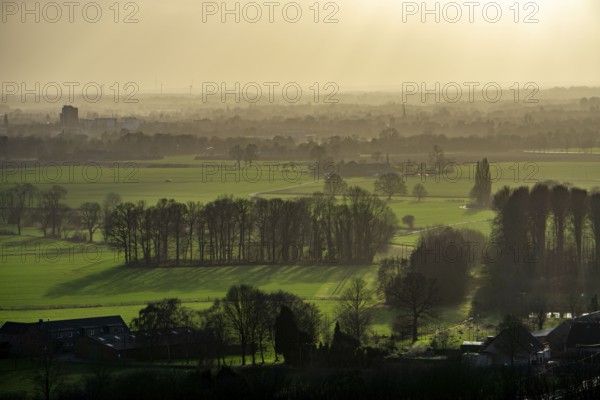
[370, 47]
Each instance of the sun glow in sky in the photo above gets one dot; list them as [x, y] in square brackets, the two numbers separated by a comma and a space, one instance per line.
[375, 44]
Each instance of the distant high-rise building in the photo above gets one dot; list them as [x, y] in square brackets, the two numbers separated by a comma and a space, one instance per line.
[4, 126]
[69, 117]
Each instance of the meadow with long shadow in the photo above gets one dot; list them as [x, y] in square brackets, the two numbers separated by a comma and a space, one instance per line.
[88, 278]
[50, 278]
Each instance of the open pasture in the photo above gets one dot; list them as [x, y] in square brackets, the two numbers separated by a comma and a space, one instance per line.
[184, 178]
[458, 182]
[42, 278]
[50, 279]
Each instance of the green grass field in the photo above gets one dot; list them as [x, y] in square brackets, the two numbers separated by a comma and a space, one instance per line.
[41, 278]
[50, 279]
[205, 180]
[136, 181]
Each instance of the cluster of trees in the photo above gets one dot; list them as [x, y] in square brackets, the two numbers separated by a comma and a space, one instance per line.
[448, 254]
[253, 323]
[247, 319]
[315, 228]
[436, 273]
[248, 153]
[388, 184]
[26, 205]
[547, 239]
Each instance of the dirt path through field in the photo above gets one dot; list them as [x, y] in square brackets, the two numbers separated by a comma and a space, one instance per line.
[442, 225]
[257, 194]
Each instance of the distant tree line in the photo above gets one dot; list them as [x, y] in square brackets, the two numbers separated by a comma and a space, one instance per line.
[238, 136]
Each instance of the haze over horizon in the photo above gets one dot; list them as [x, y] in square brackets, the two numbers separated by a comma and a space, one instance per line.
[370, 48]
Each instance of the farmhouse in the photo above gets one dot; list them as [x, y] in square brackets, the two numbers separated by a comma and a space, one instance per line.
[513, 346]
[569, 338]
[584, 339]
[471, 347]
[161, 344]
[27, 338]
[178, 343]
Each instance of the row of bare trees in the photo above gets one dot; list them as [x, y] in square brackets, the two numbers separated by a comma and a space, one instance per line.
[315, 228]
[228, 230]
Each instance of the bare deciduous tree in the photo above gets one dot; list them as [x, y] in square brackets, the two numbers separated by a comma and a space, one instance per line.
[17, 201]
[355, 310]
[90, 217]
[419, 191]
[416, 295]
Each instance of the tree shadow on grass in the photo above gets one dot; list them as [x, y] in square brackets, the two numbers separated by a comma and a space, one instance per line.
[474, 211]
[198, 281]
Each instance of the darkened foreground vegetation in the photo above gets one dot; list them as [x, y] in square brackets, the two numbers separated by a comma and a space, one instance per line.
[547, 251]
[400, 379]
